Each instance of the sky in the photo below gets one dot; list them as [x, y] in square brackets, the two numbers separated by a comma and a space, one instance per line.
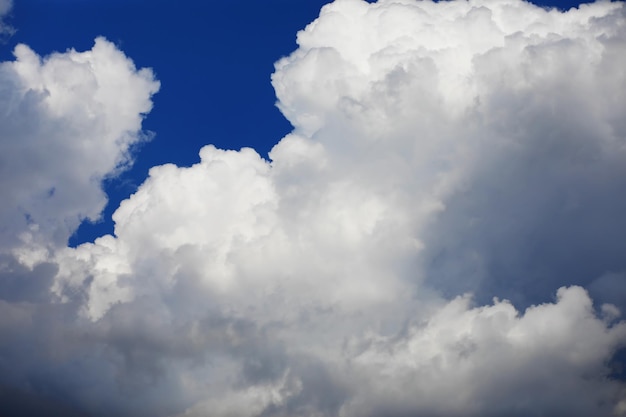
[281, 208]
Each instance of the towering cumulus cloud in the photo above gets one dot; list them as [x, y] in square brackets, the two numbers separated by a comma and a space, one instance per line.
[442, 234]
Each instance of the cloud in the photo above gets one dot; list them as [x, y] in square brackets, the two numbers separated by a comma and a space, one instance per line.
[439, 149]
[5, 8]
[68, 121]
[493, 361]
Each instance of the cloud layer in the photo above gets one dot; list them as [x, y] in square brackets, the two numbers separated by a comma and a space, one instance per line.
[442, 154]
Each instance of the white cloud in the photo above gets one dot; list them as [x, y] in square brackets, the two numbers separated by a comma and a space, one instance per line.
[492, 361]
[68, 121]
[439, 148]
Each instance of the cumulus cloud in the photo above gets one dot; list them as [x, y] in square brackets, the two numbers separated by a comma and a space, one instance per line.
[492, 361]
[68, 121]
[442, 154]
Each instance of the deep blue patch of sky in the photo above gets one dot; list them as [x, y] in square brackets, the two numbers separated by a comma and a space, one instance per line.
[213, 58]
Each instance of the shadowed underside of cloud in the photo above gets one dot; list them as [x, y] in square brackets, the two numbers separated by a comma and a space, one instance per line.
[443, 154]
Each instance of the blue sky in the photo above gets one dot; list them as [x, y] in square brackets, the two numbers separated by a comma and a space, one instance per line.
[430, 222]
[224, 98]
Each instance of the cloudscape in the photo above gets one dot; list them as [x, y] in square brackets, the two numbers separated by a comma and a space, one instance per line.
[441, 233]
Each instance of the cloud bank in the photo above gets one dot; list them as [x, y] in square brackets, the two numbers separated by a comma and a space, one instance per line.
[443, 154]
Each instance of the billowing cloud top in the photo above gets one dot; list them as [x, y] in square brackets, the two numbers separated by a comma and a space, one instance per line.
[443, 154]
[67, 121]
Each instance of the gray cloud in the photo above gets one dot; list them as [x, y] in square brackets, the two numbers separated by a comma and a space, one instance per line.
[5, 9]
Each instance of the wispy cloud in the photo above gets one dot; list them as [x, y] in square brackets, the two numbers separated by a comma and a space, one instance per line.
[5, 8]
